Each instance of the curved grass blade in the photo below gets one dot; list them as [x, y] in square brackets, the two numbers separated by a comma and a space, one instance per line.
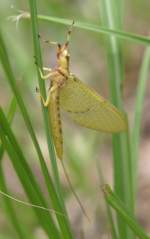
[8, 205]
[120, 209]
[93, 27]
[11, 214]
[11, 80]
[26, 176]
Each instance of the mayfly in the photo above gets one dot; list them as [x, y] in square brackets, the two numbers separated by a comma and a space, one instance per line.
[83, 104]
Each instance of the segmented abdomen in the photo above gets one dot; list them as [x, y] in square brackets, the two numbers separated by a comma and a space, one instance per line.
[54, 111]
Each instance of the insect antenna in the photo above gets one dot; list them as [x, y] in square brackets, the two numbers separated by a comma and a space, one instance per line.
[69, 33]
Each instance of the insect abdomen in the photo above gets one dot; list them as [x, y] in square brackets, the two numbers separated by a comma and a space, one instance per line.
[56, 124]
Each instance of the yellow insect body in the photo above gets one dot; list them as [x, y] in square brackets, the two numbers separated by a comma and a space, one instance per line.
[54, 113]
[82, 103]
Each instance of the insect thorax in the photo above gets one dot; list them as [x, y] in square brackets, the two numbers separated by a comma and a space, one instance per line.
[60, 77]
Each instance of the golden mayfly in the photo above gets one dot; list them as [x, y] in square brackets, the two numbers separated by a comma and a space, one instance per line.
[83, 104]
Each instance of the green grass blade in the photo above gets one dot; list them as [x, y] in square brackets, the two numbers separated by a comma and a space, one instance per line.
[12, 110]
[120, 209]
[111, 221]
[95, 28]
[10, 116]
[11, 80]
[11, 214]
[64, 223]
[121, 146]
[143, 77]
[26, 177]
[8, 205]
[29, 189]
[37, 52]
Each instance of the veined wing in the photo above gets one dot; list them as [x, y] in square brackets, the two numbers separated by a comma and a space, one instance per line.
[89, 109]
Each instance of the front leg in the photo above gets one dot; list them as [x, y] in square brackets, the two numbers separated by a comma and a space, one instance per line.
[47, 69]
[47, 76]
[47, 101]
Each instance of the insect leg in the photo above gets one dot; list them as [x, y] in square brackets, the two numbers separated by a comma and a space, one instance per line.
[47, 76]
[51, 42]
[48, 41]
[69, 33]
[47, 69]
[47, 101]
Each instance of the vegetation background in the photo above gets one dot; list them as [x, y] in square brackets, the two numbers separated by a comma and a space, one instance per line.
[91, 158]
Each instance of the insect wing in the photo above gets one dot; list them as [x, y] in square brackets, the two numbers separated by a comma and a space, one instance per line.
[89, 109]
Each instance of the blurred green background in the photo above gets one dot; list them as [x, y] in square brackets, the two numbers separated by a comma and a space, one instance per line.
[85, 150]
